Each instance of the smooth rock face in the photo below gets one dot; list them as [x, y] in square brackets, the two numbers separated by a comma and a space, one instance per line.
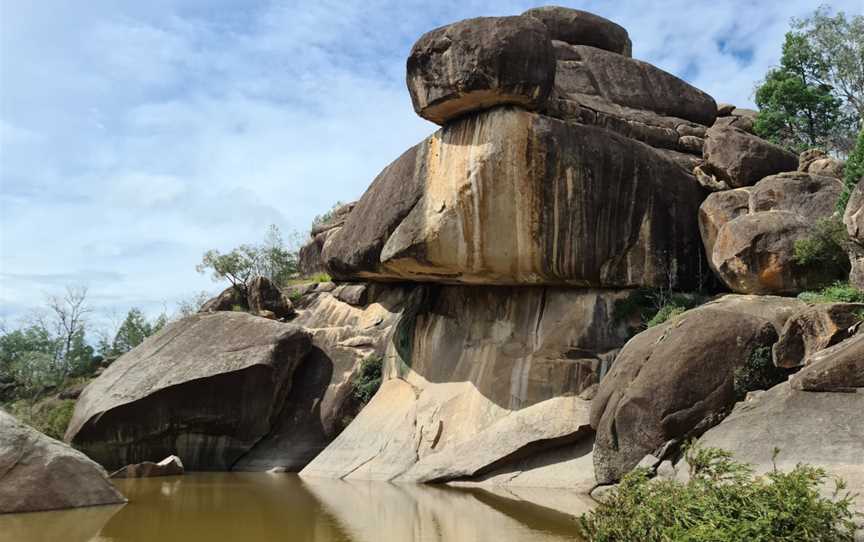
[321, 401]
[170, 466]
[511, 197]
[479, 63]
[206, 388]
[676, 379]
[839, 368]
[40, 473]
[819, 429]
[578, 27]
[815, 329]
[741, 159]
[750, 233]
[469, 375]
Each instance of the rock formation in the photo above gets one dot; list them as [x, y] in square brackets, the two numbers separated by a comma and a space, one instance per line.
[40, 473]
[309, 260]
[853, 218]
[170, 466]
[260, 297]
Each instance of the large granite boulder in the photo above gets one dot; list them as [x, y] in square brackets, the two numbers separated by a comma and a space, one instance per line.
[321, 402]
[854, 220]
[206, 388]
[478, 63]
[309, 260]
[485, 381]
[511, 197]
[259, 297]
[578, 27]
[40, 473]
[819, 429]
[839, 368]
[750, 233]
[675, 380]
[743, 119]
[739, 158]
[819, 162]
[814, 329]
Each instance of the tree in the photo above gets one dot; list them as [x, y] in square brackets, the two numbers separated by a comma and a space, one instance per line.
[271, 259]
[130, 333]
[852, 173]
[795, 109]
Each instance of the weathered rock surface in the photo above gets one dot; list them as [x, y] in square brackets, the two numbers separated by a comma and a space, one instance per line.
[741, 159]
[206, 388]
[479, 63]
[819, 429]
[676, 379]
[839, 368]
[578, 27]
[469, 374]
[261, 295]
[511, 197]
[750, 233]
[170, 466]
[227, 299]
[321, 401]
[630, 97]
[742, 119]
[854, 215]
[815, 329]
[818, 162]
[309, 260]
[40, 473]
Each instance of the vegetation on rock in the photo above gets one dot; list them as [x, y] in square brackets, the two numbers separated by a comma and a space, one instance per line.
[49, 415]
[839, 292]
[723, 501]
[824, 250]
[653, 307]
[758, 373]
[368, 379]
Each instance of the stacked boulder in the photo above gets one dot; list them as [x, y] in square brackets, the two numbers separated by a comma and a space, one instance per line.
[309, 261]
[854, 222]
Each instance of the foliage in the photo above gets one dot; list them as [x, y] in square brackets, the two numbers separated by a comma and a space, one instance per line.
[853, 172]
[270, 259]
[824, 250]
[191, 305]
[655, 306]
[839, 292]
[722, 502]
[131, 332]
[50, 416]
[368, 379]
[327, 216]
[758, 373]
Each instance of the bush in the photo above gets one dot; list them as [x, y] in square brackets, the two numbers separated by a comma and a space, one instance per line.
[722, 502]
[50, 416]
[758, 373]
[853, 171]
[839, 292]
[825, 250]
[368, 379]
[654, 307]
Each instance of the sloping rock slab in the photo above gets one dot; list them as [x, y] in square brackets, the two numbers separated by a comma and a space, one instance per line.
[205, 388]
[482, 366]
[839, 368]
[675, 380]
[40, 473]
[511, 197]
[815, 329]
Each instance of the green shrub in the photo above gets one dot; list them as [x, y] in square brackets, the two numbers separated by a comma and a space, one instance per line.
[839, 292]
[758, 373]
[653, 307]
[50, 416]
[368, 379]
[824, 251]
[853, 171]
[321, 277]
[722, 502]
[238, 308]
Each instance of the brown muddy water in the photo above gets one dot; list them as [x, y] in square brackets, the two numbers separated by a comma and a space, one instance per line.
[258, 507]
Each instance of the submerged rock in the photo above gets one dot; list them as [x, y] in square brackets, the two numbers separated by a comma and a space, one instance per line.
[207, 388]
[170, 466]
[511, 197]
[40, 473]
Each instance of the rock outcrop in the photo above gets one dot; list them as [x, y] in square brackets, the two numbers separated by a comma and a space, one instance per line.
[818, 162]
[261, 297]
[40, 473]
[839, 368]
[206, 388]
[814, 329]
[735, 117]
[739, 158]
[750, 233]
[478, 63]
[511, 197]
[854, 220]
[578, 27]
[309, 260]
[676, 380]
[170, 466]
[470, 369]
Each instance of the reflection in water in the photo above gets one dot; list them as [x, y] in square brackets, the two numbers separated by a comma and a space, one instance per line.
[254, 507]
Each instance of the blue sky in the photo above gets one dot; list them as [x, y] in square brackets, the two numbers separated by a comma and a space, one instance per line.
[136, 135]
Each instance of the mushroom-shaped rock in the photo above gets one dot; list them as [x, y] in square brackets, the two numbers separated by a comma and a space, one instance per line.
[676, 379]
[838, 369]
[205, 388]
[741, 159]
[40, 473]
[578, 27]
[478, 63]
[815, 329]
[511, 197]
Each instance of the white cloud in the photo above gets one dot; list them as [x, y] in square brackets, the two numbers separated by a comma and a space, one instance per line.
[136, 135]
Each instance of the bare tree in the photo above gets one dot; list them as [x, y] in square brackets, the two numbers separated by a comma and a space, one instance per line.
[68, 321]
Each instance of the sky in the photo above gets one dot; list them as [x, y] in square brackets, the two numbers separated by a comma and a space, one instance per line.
[136, 135]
